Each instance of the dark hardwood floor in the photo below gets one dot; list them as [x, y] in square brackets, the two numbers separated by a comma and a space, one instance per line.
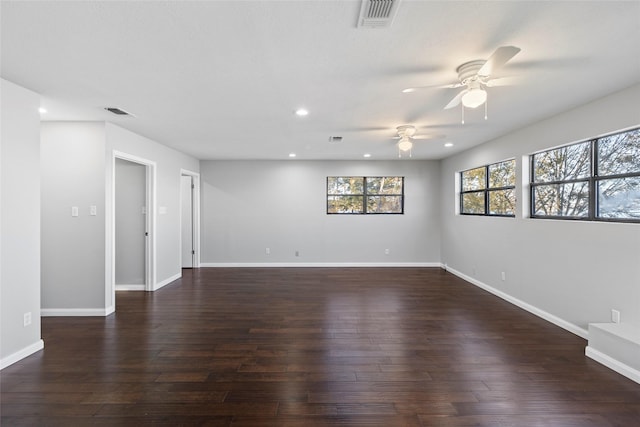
[314, 347]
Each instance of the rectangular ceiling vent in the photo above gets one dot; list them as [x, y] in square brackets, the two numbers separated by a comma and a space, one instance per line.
[335, 139]
[377, 13]
[117, 111]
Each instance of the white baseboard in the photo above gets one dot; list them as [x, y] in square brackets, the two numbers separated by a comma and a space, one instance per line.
[21, 354]
[124, 287]
[320, 264]
[165, 282]
[574, 329]
[86, 312]
[611, 363]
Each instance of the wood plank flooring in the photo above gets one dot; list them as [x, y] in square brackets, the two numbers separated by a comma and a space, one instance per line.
[314, 347]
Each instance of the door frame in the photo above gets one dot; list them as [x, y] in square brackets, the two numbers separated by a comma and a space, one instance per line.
[195, 217]
[150, 223]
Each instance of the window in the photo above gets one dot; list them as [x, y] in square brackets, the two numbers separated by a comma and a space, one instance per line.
[560, 185]
[489, 190]
[592, 180]
[365, 195]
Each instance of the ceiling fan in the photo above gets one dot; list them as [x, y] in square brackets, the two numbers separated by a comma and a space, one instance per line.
[406, 136]
[475, 77]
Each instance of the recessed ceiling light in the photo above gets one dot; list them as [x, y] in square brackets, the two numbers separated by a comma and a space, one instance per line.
[448, 144]
[367, 155]
[42, 110]
[292, 154]
[302, 112]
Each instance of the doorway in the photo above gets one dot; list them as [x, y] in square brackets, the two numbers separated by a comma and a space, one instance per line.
[132, 225]
[189, 219]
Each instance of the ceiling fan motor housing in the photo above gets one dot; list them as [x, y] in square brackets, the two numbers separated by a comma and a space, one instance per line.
[406, 130]
[468, 71]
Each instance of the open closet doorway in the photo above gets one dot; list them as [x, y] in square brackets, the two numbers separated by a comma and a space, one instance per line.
[130, 225]
[133, 223]
[190, 219]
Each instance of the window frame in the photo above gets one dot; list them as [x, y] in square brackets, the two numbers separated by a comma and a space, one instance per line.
[365, 195]
[487, 190]
[592, 182]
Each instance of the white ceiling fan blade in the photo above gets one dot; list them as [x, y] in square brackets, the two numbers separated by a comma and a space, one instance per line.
[429, 136]
[415, 89]
[423, 137]
[455, 101]
[502, 81]
[498, 59]
[452, 86]
[368, 129]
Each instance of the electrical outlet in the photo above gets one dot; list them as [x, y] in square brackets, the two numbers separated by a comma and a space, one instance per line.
[615, 316]
[387, 251]
[504, 276]
[267, 251]
[27, 319]
[93, 210]
[297, 253]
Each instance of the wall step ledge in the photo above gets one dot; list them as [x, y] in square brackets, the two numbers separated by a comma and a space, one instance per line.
[617, 346]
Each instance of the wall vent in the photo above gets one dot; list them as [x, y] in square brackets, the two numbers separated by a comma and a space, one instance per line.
[377, 13]
[118, 111]
[335, 139]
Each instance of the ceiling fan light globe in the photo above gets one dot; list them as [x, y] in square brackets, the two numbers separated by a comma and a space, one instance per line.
[474, 98]
[405, 145]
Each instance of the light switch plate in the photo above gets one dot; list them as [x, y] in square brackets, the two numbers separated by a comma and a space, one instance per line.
[74, 211]
[615, 316]
[27, 319]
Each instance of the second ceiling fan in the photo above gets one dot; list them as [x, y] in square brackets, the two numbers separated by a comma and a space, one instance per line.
[406, 137]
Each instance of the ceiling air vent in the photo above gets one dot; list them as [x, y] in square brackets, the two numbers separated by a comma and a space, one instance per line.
[377, 13]
[335, 139]
[118, 111]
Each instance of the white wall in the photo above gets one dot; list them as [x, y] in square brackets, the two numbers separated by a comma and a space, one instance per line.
[168, 164]
[77, 170]
[573, 272]
[73, 248]
[248, 206]
[19, 223]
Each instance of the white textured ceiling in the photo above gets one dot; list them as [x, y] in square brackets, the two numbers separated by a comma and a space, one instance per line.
[221, 79]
